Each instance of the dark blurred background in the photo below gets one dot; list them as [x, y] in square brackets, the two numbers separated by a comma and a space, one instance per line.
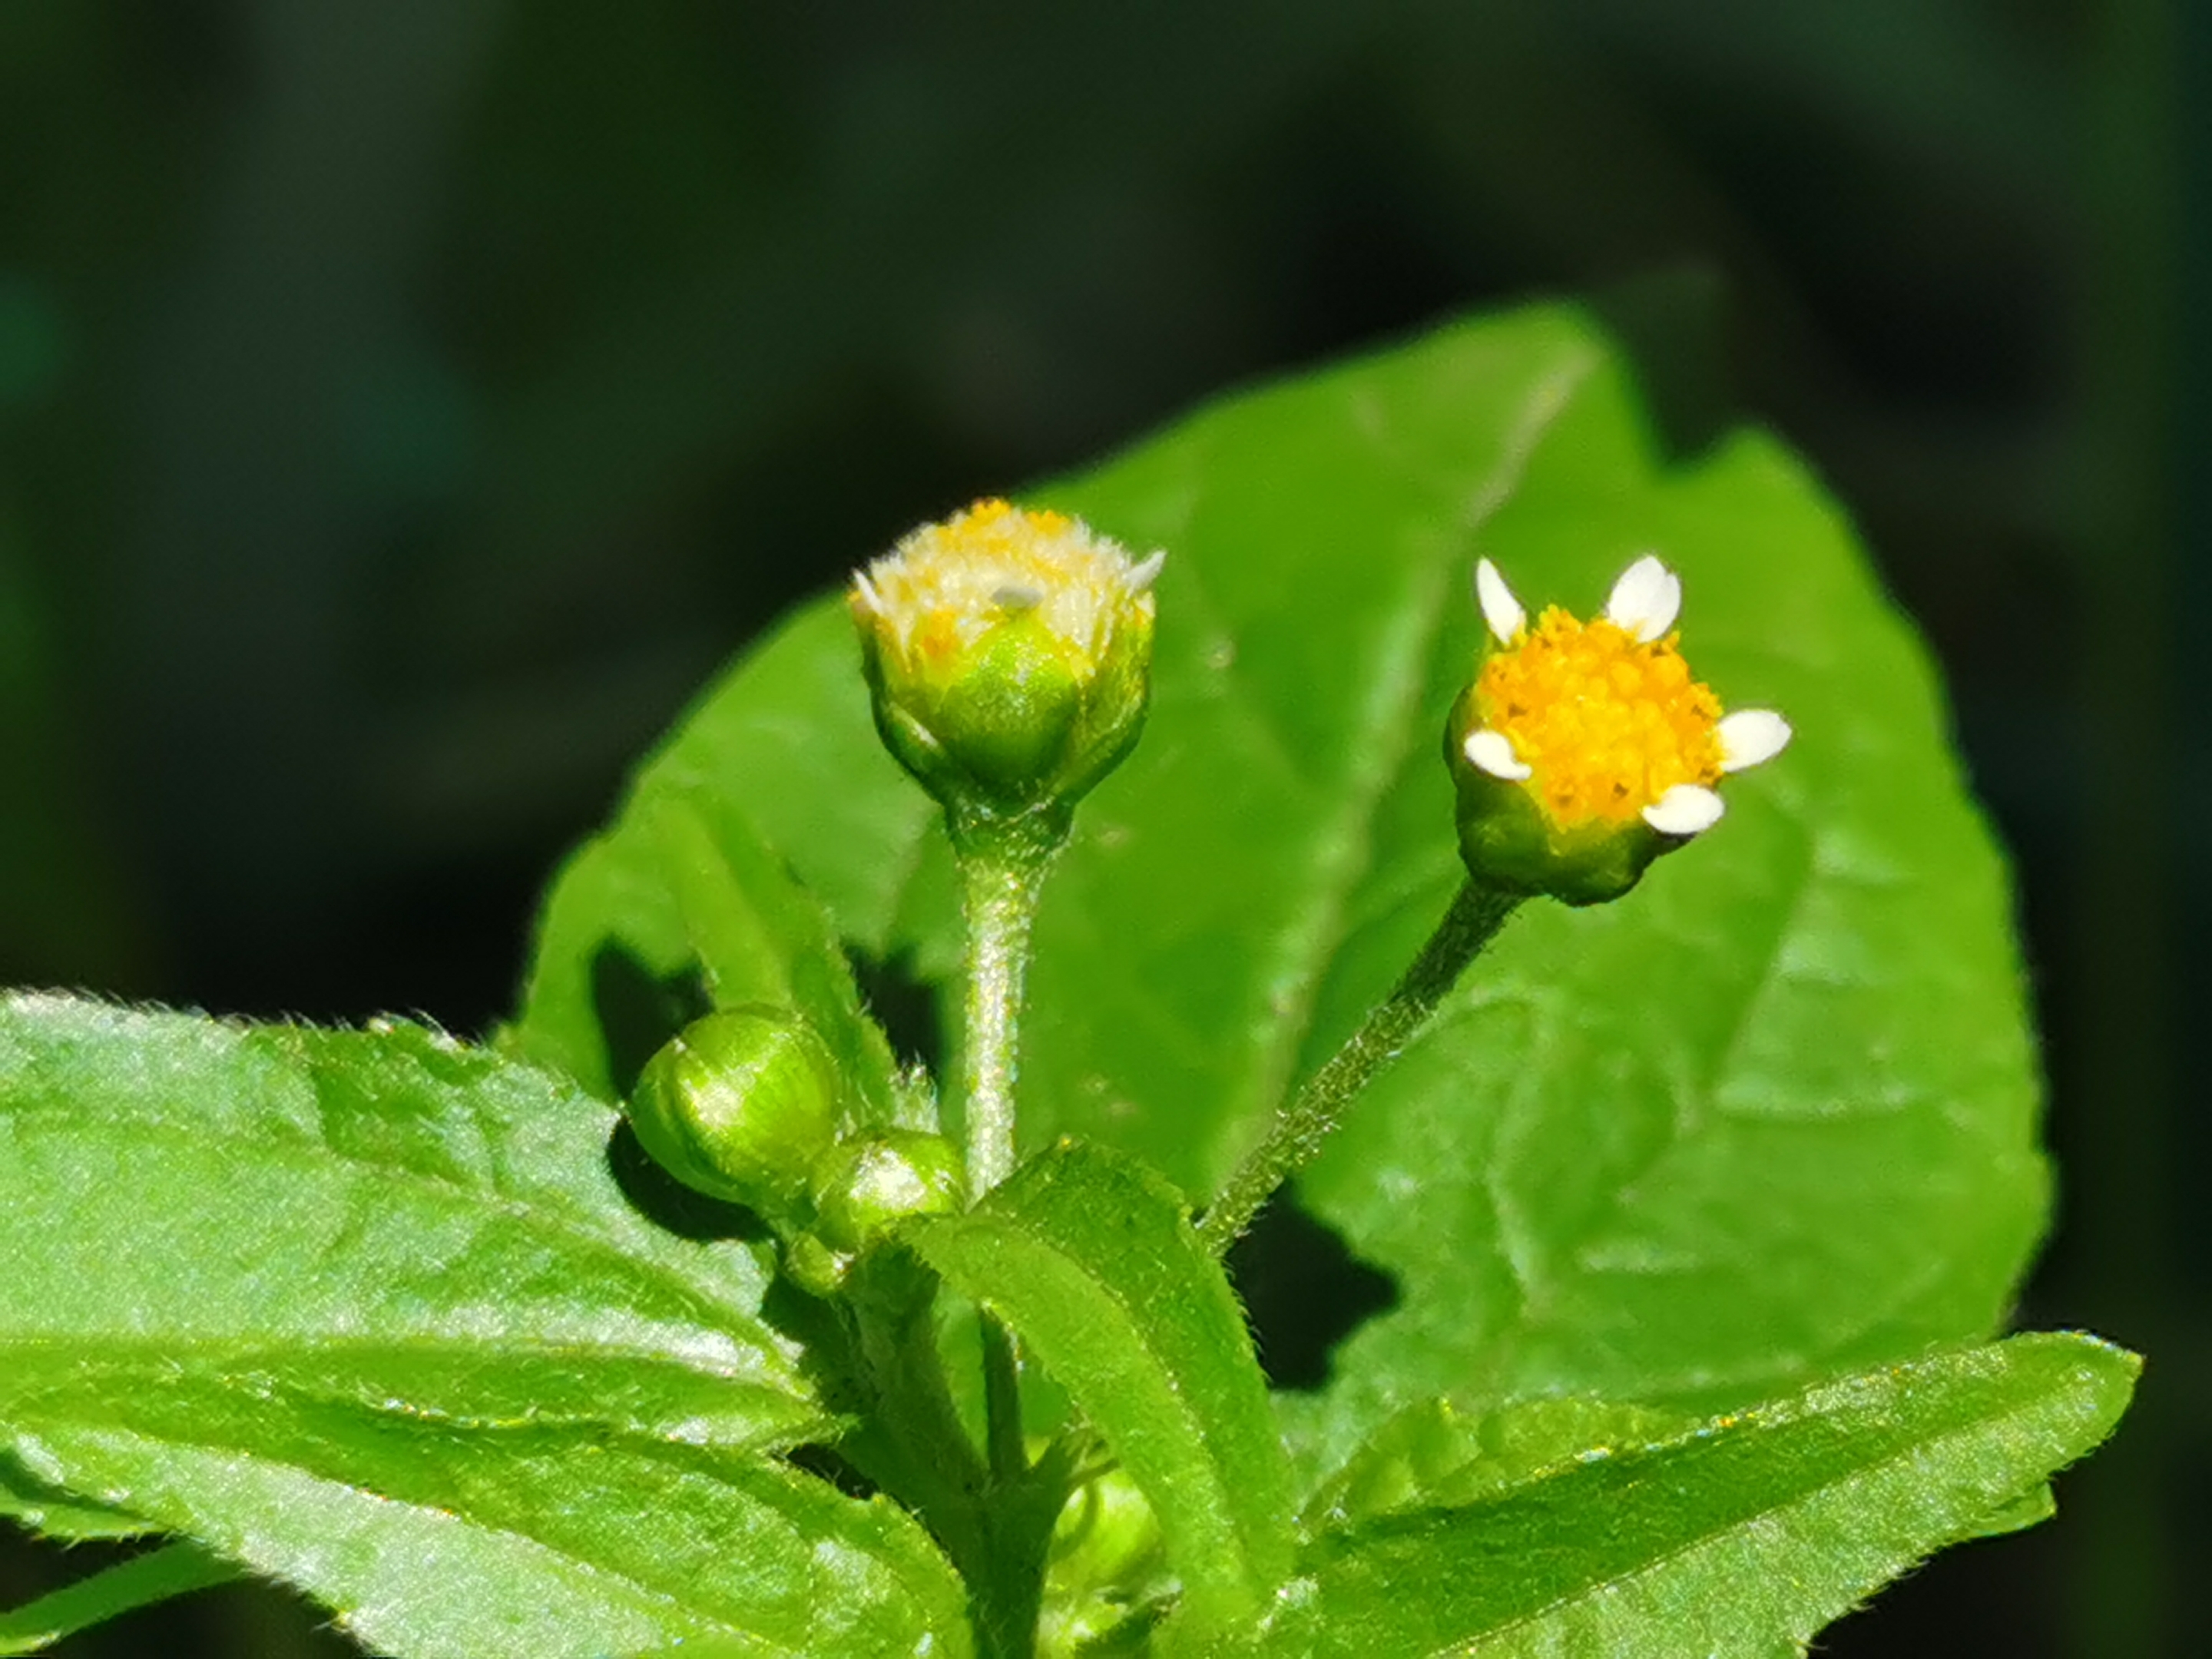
[405, 404]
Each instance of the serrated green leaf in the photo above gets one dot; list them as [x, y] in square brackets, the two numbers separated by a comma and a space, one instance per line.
[59, 1515]
[1437, 1454]
[370, 1312]
[158, 1576]
[1738, 1541]
[386, 1216]
[432, 1542]
[1770, 1116]
[1091, 1259]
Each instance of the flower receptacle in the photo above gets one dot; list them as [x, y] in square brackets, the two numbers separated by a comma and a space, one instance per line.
[1508, 841]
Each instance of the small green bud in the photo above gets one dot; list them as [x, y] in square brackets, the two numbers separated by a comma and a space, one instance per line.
[1009, 654]
[1106, 1554]
[1583, 750]
[814, 1266]
[868, 1184]
[740, 1105]
[1107, 1534]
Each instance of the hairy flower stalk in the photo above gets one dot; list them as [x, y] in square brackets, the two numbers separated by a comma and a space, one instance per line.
[1008, 654]
[1581, 751]
[1301, 1129]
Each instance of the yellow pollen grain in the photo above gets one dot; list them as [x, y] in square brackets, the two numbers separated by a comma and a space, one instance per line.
[1606, 725]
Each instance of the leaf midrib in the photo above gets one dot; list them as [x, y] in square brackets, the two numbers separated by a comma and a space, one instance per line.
[229, 1361]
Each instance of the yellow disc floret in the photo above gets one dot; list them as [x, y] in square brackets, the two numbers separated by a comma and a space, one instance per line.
[947, 584]
[1605, 724]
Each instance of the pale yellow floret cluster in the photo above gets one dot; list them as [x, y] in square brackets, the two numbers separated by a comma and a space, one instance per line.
[947, 585]
[1606, 723]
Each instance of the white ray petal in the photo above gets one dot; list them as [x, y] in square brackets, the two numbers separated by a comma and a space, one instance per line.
[1646, 599]
[1500, 608]
[867, 590]
[1750, 736]
[1688, 809]
[1146, 572]
[1492, 752]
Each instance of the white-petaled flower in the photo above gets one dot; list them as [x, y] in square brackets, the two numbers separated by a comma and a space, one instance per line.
[1601, 729]
[1750, 736]
[1009, 653]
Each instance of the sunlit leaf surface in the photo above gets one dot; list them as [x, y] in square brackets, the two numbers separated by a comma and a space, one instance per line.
[1738, 1541]
[368, 1311]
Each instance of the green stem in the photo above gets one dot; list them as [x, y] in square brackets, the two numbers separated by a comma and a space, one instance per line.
[1299, 1130]
[1022, 1516]
[1003, 864]
[907, 1434]
[909, 1440]
[1001, 868]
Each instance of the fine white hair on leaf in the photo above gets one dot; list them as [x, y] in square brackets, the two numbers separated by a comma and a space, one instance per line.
[1686, 809]
[1750, 736]
[1646, 600]
[1500, 608]
[1492, 752]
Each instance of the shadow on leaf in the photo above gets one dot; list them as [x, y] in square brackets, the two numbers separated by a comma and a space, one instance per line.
[1304, 1292]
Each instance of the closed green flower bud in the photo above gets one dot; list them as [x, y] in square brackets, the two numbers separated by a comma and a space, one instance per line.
[740, 1106]
[1009, 654]
[1583, 750]
[1106, 1557]
[1107, 1535]
[814, 1266]
[868, 1184]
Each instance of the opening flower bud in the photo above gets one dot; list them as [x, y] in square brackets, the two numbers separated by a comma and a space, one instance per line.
[740, 1106]
[1008, 655]
[868, 1184]
[1583, 750]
